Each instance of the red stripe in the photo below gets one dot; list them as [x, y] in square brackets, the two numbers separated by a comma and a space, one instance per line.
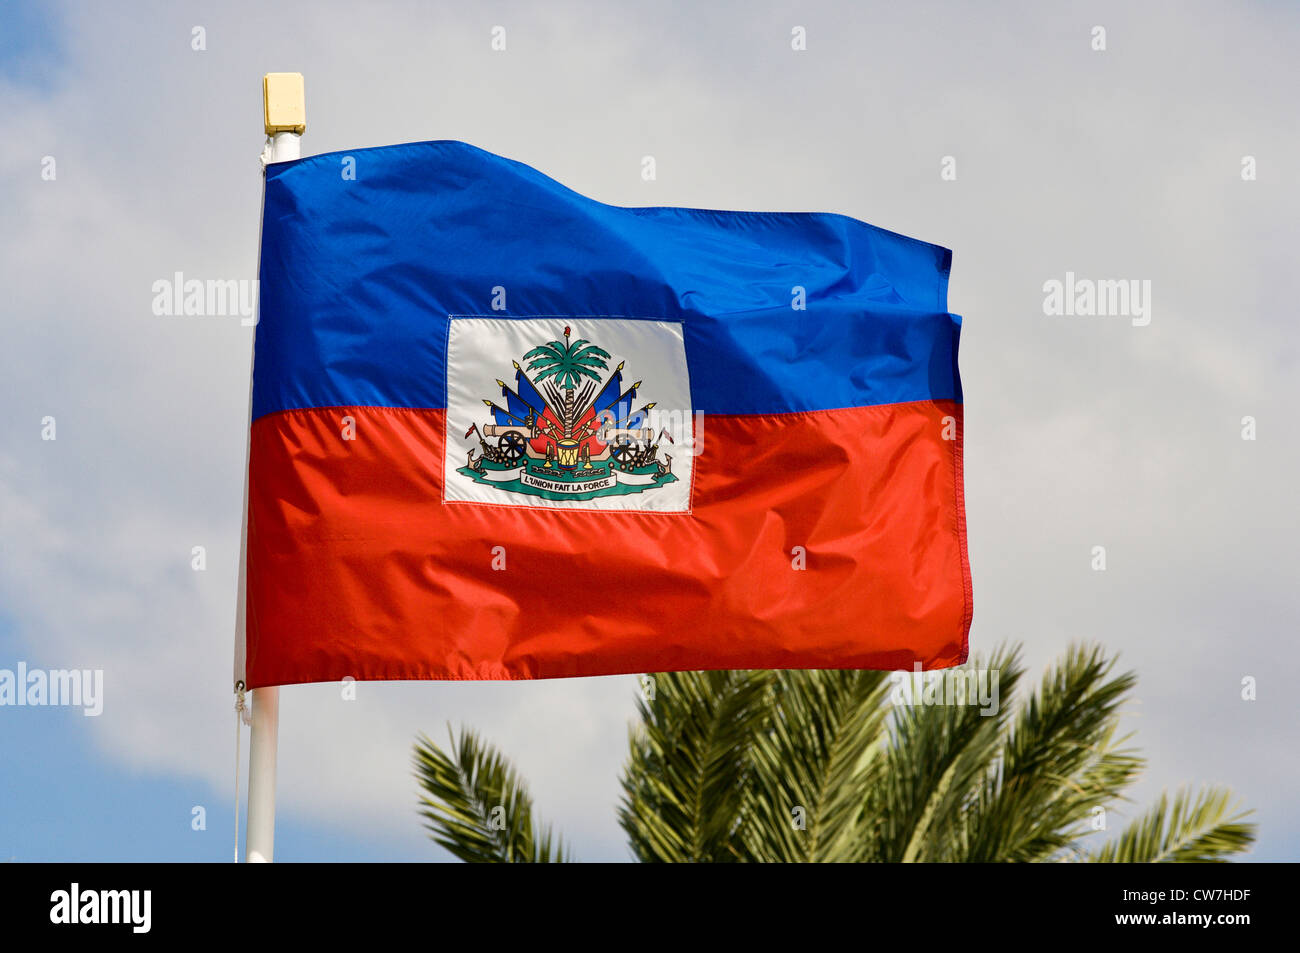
[356, 567]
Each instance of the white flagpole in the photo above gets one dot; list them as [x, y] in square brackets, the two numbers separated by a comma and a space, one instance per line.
[284, 109]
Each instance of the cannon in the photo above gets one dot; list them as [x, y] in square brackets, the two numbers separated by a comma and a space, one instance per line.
[625, 444]
[512, 440]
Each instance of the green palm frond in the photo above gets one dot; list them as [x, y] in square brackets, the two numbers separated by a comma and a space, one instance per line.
[935, 762]
[476, 806]
[836, 766]
[555, 350]
[1059, 761]
[684, 783]
[812, 764]
[1190, 831]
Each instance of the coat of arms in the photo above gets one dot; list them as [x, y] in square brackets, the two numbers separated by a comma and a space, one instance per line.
[569, 429]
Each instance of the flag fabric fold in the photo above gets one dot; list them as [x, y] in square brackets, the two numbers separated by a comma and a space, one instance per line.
[503, 431]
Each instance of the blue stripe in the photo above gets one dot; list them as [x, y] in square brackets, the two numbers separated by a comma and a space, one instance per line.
[358, 278]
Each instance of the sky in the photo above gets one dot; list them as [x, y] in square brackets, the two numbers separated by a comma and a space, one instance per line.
[1081, 431]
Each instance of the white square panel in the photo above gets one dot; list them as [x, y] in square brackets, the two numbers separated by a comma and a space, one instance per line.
[569, 412]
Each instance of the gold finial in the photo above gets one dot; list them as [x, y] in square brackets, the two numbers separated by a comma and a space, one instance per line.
[284, 103]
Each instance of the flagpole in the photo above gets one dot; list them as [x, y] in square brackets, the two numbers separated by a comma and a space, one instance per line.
[284, 114]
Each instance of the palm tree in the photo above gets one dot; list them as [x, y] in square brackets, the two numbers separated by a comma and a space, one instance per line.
[827, 766]
[567, 363]
[478, 808]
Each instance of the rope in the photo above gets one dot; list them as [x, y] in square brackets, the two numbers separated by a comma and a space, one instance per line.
[241, 714]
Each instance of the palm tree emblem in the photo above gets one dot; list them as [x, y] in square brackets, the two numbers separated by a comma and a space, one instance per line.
[565, 365]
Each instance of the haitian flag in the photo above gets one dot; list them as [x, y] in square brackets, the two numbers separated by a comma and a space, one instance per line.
[504, 431]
